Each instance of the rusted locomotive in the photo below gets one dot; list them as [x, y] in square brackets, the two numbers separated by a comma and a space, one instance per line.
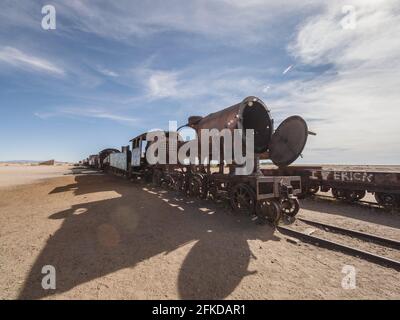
[268, 197]
[100, 160]
[92, 161]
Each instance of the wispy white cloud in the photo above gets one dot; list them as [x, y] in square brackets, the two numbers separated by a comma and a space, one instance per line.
[216, 19]
[25, 61]
[45, 115]
[357, 99]
[85, 112]
[107, 72]
[219, 86]
[162, 84]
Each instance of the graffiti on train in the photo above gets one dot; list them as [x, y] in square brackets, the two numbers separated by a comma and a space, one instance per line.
[344, 176]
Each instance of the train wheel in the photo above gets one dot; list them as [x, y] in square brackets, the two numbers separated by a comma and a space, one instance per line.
[180, 184]
[212, 192]
[195, 186]
[157, 177]
[325, 189]
[243, 199]
[204, 187]
[148, 176]
[313, 188]
[355, 195]
[290, 207]
[339, 193]
[268, 212]
[168, 182]
[388, 200]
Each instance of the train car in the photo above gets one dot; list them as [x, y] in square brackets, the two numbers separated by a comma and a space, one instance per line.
[103, 158]
[139, 166]
[350, 185]
[119, 162]
[93, 161]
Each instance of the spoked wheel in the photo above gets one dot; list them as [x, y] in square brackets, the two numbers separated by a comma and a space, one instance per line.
[268, 212]
[157, 177]
[355, 195]
[195, 186]
[148, 176]
[290, 207]
[212, 191]
[388, 200]
[204, 187]
[168, 182]
[313, 188]
[243, 199]
[339, 193]
[180, 184]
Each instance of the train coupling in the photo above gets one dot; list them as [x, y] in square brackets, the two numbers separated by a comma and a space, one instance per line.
[286, 190]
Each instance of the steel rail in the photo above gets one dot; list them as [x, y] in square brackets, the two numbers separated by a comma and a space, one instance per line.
[358, 234]
[328, 244]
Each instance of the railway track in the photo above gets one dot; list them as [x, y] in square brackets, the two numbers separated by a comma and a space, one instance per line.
[353, 251]
[369, 204]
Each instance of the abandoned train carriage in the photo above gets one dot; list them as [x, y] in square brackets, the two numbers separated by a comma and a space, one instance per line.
[349, 185]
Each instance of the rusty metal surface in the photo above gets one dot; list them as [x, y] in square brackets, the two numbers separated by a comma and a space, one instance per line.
[119, 160]
[345, 177]
[103, 154]
[251, 113]
[288, 141]
[92, 160]
[357, 177]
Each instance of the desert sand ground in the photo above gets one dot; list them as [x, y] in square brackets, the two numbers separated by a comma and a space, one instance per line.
[15, 174]
[109, 238]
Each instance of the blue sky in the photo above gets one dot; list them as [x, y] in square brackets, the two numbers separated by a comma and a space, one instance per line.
[114, 69]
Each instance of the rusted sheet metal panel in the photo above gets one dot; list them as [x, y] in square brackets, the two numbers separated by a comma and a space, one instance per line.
[106, 160]
[358, 177]
[387, 178]
[93, 159]
[136, 157]
[119, 161]
[104, 154]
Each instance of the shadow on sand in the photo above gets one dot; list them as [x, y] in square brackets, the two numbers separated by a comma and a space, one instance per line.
[101, 237]
[353, 211]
